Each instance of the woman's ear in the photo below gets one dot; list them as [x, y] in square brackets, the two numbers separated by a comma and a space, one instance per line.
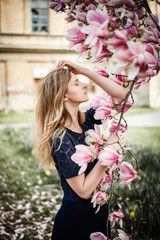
[65, 99]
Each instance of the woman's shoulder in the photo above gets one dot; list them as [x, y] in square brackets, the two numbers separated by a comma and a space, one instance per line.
[89, 116]
[64, 142]
[90, 111]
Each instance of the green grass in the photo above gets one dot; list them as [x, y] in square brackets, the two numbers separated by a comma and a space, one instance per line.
[140, 110]
[143, 136]
[16, 117]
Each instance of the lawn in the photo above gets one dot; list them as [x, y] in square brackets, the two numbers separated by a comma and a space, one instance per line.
[143, 136]
[28, 116]
[30, 196]
[16, 117]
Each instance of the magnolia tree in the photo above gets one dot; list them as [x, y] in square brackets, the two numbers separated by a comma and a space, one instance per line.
[122, 37]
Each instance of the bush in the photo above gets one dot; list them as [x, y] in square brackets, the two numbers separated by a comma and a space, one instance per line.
[141, 205]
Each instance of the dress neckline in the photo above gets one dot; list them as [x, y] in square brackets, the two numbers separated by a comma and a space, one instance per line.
[74, 131]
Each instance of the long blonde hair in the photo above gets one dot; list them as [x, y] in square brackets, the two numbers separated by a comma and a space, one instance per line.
[51, 114]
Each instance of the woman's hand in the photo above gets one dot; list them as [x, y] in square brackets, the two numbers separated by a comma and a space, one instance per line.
[76, 69]
[113, 139]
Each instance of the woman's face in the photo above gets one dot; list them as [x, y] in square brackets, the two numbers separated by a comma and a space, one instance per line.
[76, 90]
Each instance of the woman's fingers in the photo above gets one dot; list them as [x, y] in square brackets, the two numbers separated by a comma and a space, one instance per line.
[76, 69]
[61, 63]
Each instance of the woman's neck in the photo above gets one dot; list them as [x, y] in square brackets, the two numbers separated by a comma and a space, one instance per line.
[72, 119]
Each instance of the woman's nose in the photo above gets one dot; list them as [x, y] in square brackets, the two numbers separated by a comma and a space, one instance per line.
[84, 85]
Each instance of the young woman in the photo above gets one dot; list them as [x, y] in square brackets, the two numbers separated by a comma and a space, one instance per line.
[61, 126]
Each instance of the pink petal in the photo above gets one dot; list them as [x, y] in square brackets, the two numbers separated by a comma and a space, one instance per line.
[82, 169]
[98, 236]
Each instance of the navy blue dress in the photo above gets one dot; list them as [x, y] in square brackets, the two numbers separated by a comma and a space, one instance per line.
[76, 219]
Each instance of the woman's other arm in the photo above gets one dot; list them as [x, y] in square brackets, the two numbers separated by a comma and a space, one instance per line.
[85, 185]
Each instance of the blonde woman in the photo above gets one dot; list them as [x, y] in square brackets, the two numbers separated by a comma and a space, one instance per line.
[61, 126]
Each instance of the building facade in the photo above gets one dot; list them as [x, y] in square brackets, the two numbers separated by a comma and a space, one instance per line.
[32, 41]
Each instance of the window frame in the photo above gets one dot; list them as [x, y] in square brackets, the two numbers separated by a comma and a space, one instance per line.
[40, 17]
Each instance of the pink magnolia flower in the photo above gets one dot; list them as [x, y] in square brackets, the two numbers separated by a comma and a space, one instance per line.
[95, 149]
[133, 58]
[150, 35]
[81, 17]
[131, 29]
[98, 198]
[127, 174]
[102, 73]
[142, 76]
[115, 217]
[97, 30]
[105, 53]
[113, 128]
[99, 101]
[118, 40]
[98, 236]
[109, 158]
[104, 183]
[150, 21]
[75, 36]
[140, 82]
[127, 3]
[152, 55]
[69, 17]
[57, 5]
[101, 68]
[82, 49]
[82, 157]
[119, 80]
[102, 112]
[86, 5]
[122, 235]
[94, 136]
[90, 6]
[118, 107]
[105, 122]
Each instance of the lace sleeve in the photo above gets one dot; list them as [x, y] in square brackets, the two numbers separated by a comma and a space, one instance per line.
[62, 158]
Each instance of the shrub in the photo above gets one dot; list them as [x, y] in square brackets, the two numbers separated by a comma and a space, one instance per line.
[141, 205]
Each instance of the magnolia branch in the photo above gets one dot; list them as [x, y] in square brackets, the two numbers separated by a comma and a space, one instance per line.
[121, 116]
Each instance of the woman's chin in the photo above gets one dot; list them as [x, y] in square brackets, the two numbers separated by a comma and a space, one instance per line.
[86, 100]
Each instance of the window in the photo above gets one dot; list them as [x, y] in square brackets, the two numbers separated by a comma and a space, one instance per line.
[159, 10]
[39, 16]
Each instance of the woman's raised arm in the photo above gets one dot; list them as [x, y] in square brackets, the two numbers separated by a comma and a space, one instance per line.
[113, 89]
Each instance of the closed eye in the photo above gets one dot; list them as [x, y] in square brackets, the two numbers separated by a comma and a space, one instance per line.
[76, 82]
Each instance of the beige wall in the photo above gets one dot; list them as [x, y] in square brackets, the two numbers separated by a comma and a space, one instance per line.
[3, 96]
[12, 16]
[57, 23]
[154, 92]
[26, 56]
